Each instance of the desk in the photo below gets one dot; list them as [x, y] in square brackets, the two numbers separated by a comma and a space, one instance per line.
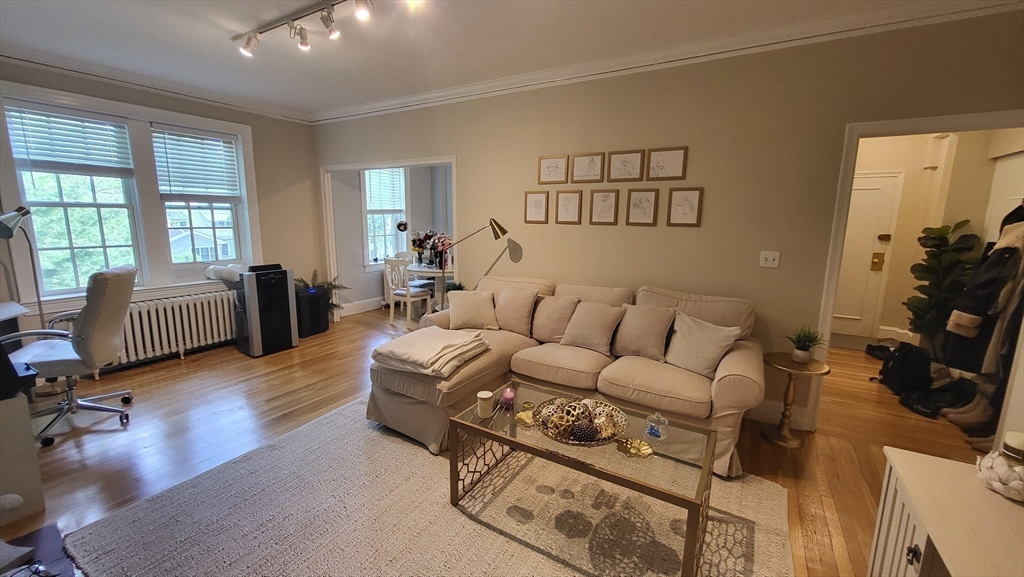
[10, 310]
[431, 272]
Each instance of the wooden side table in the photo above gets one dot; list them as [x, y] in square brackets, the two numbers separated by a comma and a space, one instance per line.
[781, 435]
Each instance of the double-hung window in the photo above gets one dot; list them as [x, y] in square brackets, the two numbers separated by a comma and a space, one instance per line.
[384, 191]
[198, 177]
[78, 180]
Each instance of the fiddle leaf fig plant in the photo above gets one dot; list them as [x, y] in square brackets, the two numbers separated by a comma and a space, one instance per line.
[944, 271]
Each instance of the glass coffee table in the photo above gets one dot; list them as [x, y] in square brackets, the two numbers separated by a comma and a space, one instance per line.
[678, 472]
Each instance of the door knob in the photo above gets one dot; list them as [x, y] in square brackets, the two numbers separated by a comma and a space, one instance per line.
[885, 237]
[913, 555]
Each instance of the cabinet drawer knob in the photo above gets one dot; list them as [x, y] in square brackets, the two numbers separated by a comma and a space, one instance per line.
[913, 554]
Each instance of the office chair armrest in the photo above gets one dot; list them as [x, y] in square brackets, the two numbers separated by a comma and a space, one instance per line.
[39, 333]
[63, 318]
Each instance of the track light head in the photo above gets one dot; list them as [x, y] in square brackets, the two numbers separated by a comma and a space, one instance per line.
[362, 10]
[327, 18]
[303, 39]
[251, 44]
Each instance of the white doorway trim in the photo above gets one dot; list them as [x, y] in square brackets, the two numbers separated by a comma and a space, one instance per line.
[854, 132]
[327, 205]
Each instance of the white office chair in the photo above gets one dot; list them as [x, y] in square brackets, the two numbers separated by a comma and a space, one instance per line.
[396, 275]
[96, 338]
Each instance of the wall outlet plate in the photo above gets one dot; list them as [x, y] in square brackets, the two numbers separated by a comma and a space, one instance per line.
[769, 259]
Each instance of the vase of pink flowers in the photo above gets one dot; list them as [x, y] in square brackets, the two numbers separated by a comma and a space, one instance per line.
[441, 242]
[422, 244]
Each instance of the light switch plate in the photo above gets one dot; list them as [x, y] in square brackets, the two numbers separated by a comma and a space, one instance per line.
[769, 259]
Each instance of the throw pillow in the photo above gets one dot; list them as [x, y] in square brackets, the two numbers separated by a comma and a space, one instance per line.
[472, 310]
[552, 316]
[698, 346]
[514, 309]
[643, 332]
[592, 325]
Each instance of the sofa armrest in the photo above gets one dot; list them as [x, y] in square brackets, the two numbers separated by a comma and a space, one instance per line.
[739, 380]
[440, 319]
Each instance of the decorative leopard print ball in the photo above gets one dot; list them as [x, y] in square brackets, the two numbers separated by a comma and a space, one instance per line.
[585, 432]
[578, 412]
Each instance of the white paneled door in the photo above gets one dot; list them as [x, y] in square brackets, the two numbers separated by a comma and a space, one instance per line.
[866, 251]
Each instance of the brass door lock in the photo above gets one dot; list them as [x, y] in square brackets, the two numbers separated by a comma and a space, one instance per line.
[877, 261]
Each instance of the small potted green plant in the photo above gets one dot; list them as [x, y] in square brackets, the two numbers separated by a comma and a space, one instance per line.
[804, 339]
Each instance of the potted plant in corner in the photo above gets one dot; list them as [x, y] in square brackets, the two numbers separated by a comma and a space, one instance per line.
[804, 339]
[314, 300]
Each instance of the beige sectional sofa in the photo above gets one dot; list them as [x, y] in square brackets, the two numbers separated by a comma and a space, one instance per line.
[419, 406]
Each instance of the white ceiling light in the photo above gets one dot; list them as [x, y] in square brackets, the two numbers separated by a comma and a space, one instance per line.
[296, 30]
[327, 17]
[251, 44]
[362, 10]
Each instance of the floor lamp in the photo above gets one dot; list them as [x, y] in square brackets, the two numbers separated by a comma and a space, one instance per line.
[9, 224]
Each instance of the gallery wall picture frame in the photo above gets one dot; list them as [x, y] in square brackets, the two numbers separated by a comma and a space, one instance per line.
[604, 207]
[586, 167]
[553, 169]
[642, 207]
[684, 206]
[568, 206]
[626, 166]
[667, 163]
[535, 207]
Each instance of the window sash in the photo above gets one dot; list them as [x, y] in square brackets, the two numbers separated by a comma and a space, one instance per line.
[45, 141]
[196, 164]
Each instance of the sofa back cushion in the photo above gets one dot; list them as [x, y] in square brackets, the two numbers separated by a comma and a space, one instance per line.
[592, 326]
[472, 310]
[513, 309]
[698, 346]
[721, 311]
[496, 284]
[643, 332]
[596, 294]
[552, 316]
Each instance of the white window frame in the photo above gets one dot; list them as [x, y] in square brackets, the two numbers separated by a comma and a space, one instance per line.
[157, 278]
[368, 265]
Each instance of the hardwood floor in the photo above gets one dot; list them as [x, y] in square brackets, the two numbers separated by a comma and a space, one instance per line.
[194, 414]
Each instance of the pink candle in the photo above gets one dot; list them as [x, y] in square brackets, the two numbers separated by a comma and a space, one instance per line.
[508, 397]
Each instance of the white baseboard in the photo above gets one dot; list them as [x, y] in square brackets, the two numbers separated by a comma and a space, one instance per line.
[771, 411]
[363, 306]
[898, 334]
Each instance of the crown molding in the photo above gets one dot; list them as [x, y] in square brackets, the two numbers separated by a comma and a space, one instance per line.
[35, 59]
[901, 16]
[894, 18]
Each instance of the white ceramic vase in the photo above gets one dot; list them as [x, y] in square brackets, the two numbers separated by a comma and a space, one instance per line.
[801, 356]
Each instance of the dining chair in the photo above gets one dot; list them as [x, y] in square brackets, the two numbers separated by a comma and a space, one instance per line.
[396, 275]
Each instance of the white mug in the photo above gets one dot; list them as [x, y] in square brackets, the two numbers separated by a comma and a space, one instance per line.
[485, 404]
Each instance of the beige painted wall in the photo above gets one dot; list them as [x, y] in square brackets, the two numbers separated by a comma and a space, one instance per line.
[287, 177]
[765, 133]
[970, 181]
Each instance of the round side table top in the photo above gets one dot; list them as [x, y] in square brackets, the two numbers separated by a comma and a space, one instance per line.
[785, 362]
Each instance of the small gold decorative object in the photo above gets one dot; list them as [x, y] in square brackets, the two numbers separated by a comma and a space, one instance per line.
[560, 426]
[525, 418]
[528, 405]
[635, 448]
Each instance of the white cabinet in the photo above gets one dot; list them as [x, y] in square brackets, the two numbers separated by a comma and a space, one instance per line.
[936, 519]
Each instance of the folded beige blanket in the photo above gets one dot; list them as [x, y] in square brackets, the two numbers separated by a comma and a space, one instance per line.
[430, 351]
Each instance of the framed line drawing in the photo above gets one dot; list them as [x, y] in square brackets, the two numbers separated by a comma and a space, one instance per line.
[568, 206]
[604, 207]
[587, 167]
[667, 163]
[684, 206]
[626, 166]
[642, 207]
[536, 207]
[553, 169]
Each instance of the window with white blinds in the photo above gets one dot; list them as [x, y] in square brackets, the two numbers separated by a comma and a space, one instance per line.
[385, 193]
[58, 143]
[195, 164]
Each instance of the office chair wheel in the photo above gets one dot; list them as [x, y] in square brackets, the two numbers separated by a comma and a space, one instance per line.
[123, 418]
[127, 399]
[46, 442]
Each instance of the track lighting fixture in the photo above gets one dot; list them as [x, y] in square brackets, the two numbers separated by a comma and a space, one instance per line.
[327, 17]
[296, 30]
[252, 42]
[362, 10]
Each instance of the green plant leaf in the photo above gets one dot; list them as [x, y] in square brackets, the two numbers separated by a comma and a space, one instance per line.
[959, 225]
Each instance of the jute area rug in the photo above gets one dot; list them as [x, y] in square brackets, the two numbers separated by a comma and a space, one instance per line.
[341, 496]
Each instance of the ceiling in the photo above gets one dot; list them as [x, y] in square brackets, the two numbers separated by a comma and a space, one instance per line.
[418, 53]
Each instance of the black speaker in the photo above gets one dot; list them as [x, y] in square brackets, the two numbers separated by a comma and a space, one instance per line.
[313, 308]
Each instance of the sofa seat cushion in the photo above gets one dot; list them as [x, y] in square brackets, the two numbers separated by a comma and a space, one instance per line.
[563, 365]
[660, 386]
[480, 369]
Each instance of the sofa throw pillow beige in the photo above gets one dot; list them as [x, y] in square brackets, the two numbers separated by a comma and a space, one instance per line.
[514, 309]
[552, 316]
[592, 326]
[643, 332]
[472, 310]
[699, 346]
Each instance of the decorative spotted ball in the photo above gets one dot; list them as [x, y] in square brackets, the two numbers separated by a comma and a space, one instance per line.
[585, 432]
[578, 412]
[549, 411]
